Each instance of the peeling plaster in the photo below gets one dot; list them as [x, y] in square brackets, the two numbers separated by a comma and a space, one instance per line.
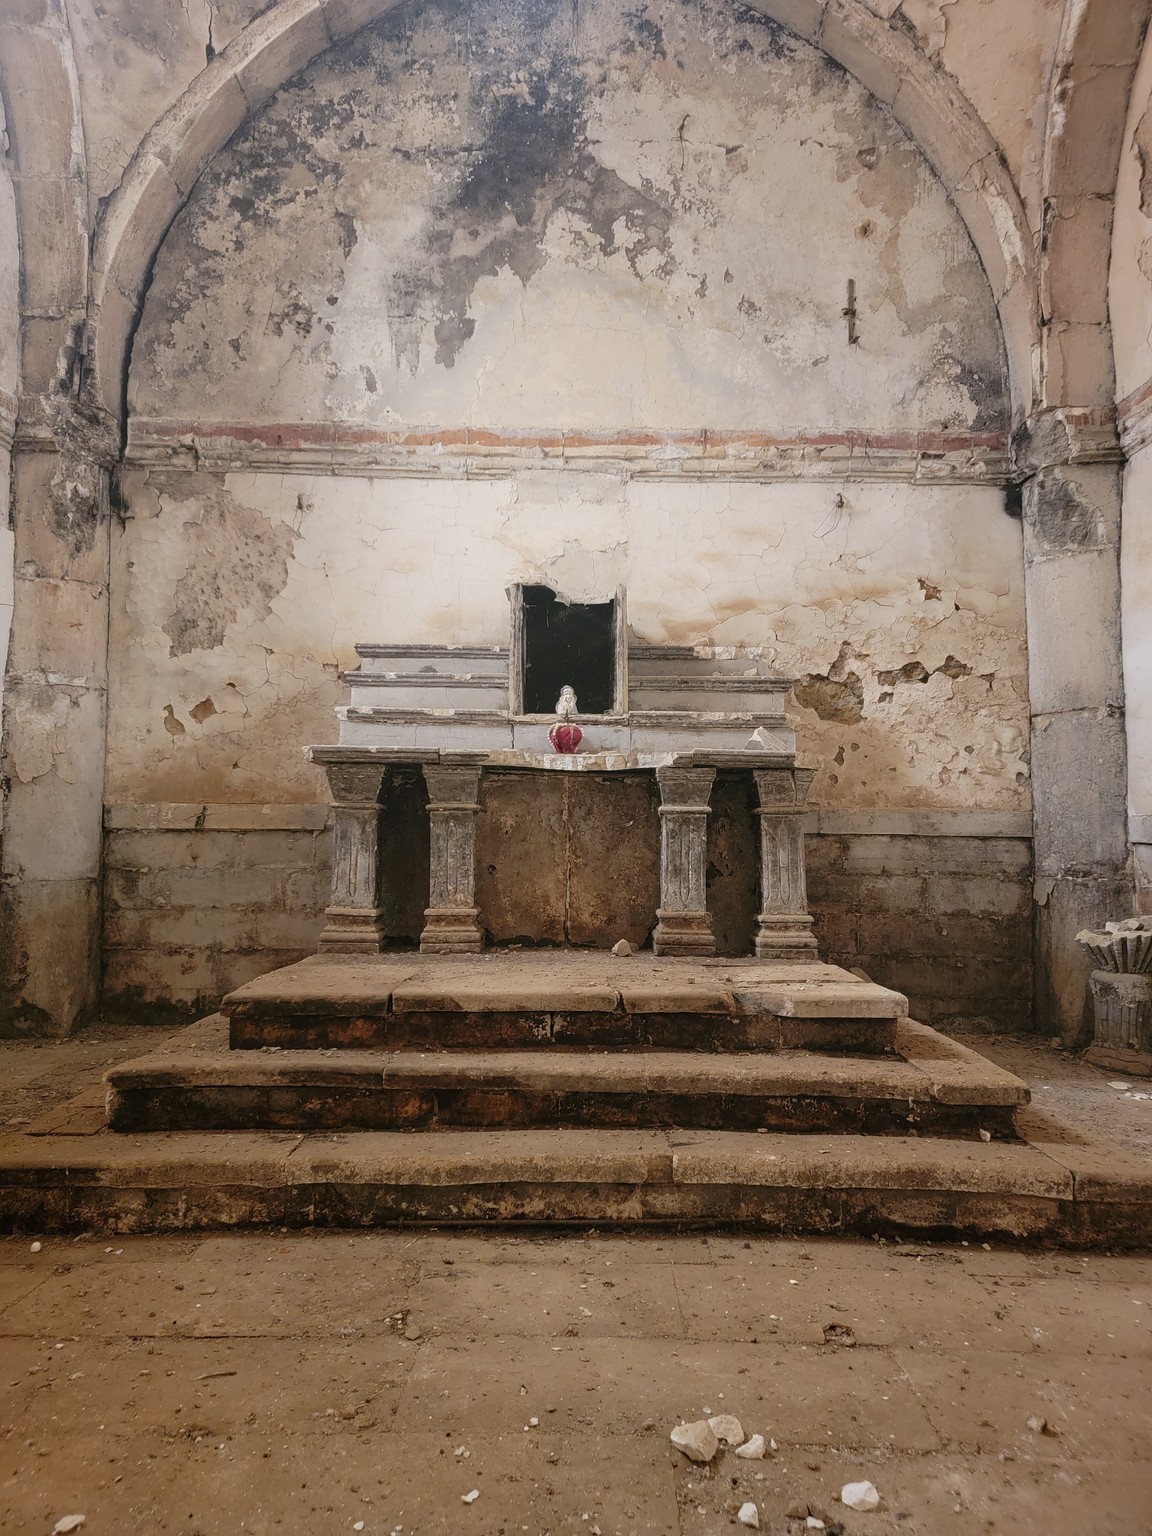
[817, 589]
[495, 225]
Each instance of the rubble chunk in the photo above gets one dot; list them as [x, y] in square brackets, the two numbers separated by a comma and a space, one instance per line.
[727, 1429]
[697, 1441]
[860, 1496]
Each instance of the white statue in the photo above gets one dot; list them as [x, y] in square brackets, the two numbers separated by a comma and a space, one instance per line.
[566, 703]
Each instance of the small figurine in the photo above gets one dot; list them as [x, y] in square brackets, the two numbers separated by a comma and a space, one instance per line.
[564, 736]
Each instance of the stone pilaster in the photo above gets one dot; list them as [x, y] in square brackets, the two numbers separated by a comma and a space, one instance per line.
[355, 921]
[452, 920]
[55, 733]
[783, 924]
[684, 926]
[1071, 506]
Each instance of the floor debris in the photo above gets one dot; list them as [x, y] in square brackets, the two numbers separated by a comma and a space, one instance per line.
[698, 1440]
[860, 1496]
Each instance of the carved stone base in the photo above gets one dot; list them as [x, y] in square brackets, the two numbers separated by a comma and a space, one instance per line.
[352, 931]
[784, 937]
[684, 933]
[452, 932]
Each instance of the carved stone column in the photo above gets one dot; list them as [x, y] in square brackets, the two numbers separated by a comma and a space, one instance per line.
[452, 920]
[355, 920]
[783, 924]
[684, 926]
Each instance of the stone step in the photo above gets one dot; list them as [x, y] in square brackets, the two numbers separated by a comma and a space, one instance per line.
[561, 1000]
[1054, 1188]
[932, 1087]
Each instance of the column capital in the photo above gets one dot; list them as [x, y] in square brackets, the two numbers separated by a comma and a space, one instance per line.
[783, 789]
[1066, 434]
[354, 784]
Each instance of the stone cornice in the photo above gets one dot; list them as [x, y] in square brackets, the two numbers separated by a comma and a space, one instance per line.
[336, 448]
[1067, 435]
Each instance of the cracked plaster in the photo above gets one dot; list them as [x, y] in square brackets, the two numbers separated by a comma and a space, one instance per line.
[136, 59]
[498, 223]
[893, 577]
[1130, 276]
[1130, 303]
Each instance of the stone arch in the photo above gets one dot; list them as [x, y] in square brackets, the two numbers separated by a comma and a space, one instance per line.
[1092, 74]
[290, 34]
[41, 95]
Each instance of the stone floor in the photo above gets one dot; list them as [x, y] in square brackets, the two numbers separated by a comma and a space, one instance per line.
[320, 1383]
[309, 1382]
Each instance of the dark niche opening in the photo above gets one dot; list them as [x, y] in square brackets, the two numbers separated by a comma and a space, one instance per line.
[573, 643]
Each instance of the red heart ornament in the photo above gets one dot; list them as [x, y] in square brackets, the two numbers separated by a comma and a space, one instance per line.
[565, 738]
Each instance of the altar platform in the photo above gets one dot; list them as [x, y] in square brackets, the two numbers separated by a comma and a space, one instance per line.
[564, 1040]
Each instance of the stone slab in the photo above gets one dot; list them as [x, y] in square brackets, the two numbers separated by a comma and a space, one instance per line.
[802, 1091]
[502, 994]
[957, 1075]
[841, 1185]
[334, 984]
[344, 1000]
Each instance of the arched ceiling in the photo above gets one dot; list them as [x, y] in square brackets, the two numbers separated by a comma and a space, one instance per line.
[1051, 288]
[293, 32]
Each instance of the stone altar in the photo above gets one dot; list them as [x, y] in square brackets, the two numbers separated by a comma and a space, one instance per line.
[679, 714]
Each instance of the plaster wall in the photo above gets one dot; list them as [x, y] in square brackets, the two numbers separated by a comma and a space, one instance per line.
[490, 218]
[465, 237]
[240, 599]
[1130, 302]
[9, 384]
[1136, 575]
[1130, 277]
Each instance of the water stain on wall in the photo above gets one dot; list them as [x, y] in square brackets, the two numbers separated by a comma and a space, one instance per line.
[237, 561]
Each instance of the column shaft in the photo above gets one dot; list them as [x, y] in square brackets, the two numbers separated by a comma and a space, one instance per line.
[684, 926]
[355, 921]
[452, 919]
[783, 924]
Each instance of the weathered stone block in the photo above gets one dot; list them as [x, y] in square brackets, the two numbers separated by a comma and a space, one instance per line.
[1079, 793]
[49, 942]
[1074, 611]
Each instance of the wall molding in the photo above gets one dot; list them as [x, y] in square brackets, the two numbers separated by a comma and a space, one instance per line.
[179, 817]
[468, 452]
[173, 816]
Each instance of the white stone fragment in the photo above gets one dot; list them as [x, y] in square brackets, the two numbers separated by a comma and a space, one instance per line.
[623, 948]
[1121, 1087]
[470, 1498]
[697, 1440]
[752, 1449]
[749, 1515]
[358, 1525]
[727, 1429]
[860, 1496]
[814, 1524]
[36, 1247]
[67, 1523]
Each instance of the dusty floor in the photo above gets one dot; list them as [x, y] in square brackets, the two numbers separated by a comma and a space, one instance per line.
[320, 1383]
